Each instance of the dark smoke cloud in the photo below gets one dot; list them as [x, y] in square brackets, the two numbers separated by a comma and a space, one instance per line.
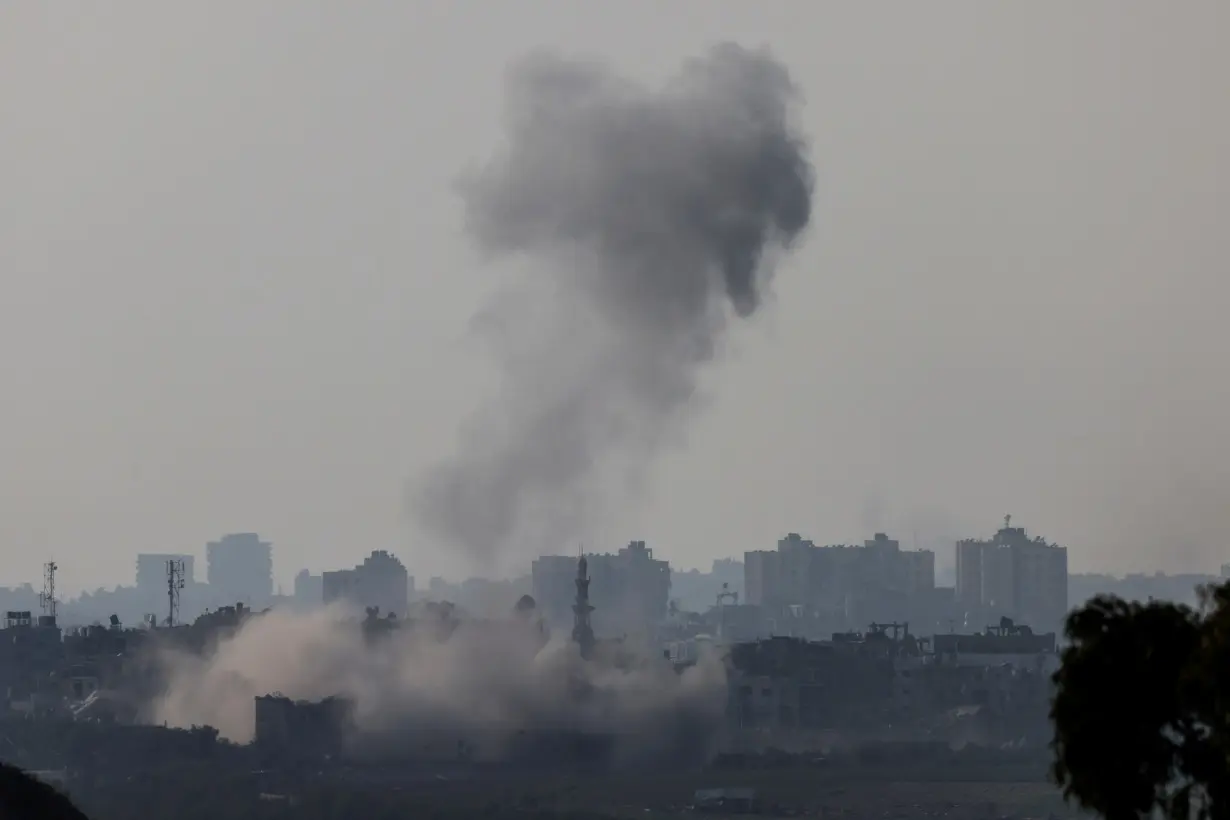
[639, 221]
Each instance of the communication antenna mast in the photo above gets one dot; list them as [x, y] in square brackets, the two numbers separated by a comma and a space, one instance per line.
[175, 583]
[47, 599]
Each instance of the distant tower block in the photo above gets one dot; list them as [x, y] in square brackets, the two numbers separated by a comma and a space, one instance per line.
[582, 631]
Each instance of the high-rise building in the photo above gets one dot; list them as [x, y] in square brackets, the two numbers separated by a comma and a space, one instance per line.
[969, 572]
[309, 590]
[761, 569]
[1013, 575]
[553, 580]
[840, 583]
[1040, 573]
[629, 590]
[152, 570]
[339, 586]
[240, 569]
[895, 570]
[635, 587]
[381, 581]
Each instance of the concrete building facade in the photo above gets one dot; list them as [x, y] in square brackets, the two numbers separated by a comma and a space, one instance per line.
[381, 581]
[240, 568]
[840, 586]
[1015, 576]
[630, 589]
[309, 590]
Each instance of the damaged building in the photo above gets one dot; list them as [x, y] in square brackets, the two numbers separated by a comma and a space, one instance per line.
[992, 686]
[786, 684]
[288, 728]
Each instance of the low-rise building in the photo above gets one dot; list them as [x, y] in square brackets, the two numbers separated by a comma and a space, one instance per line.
[1008, 644]
[790, 683]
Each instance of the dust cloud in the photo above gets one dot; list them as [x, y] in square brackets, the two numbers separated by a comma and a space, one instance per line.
[484, 683]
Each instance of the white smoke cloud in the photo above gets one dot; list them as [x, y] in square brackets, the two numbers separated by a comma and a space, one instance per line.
[484, 683]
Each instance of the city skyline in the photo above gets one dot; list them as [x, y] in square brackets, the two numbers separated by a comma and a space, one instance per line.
[284, 572]
[285, 566]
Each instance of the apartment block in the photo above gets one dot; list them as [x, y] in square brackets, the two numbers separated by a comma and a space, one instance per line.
[1015, 576]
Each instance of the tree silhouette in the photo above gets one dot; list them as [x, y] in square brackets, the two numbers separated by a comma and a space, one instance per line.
[1142, 708]
[24, 797]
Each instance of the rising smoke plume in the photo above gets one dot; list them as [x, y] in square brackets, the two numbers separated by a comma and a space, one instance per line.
[640, 221]
[488, 682]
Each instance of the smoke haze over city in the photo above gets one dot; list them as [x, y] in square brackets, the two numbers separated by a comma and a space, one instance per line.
[613, 409]
[414, 689]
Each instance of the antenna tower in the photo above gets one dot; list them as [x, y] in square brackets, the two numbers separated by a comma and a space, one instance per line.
[175, 583]
[47, 600]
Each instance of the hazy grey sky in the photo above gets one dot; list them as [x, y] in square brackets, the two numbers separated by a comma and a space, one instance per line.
[237, 296]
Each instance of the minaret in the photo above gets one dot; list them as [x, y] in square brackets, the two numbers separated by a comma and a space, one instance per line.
[582, 632]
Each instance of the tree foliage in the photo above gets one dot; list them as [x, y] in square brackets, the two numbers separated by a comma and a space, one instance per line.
[1142, 708]
[24, 797]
